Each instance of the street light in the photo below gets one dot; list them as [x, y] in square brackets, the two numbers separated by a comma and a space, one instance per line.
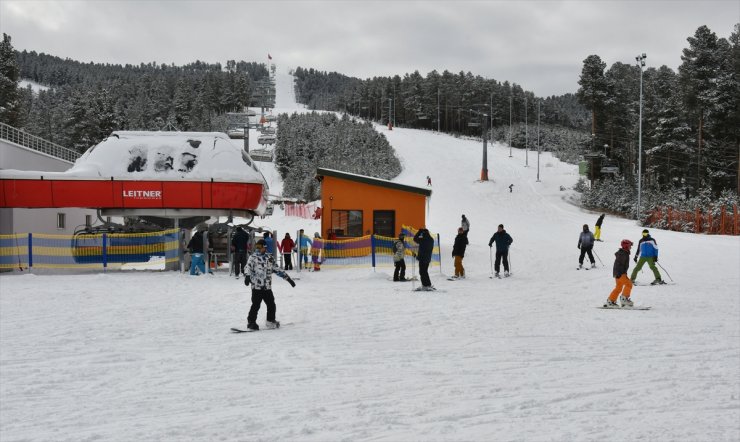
[641, 64]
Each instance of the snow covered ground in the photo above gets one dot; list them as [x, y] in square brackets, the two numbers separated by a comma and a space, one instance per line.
[148, 356]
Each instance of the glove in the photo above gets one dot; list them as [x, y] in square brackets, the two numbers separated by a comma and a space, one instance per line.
[247, 280]
[579, 247]
[656, 259]
[635, 260]
[290, 281]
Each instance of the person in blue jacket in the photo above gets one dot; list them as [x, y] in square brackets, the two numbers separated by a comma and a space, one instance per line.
[304, 245]
[647, 249]
[270, 243]
[503, 240]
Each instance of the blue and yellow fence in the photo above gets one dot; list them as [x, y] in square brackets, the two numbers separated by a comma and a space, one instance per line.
[369, 250]
[39, 250]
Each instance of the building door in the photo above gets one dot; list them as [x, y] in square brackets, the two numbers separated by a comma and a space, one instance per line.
[384, 222]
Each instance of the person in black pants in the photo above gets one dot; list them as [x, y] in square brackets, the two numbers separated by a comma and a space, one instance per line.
[424, 256]
[586, 244]
[239, 247]
[503, 240]
[259, 270]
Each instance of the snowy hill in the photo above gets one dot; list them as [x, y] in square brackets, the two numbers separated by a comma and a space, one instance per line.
[148, 356]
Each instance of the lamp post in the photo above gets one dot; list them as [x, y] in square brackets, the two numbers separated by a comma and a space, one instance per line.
[484, 135]
[511, 98]
[526, 134]
[538, 140]
[641, 64]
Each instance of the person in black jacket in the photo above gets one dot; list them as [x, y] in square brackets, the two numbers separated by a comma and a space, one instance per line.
[503, 240]
[197, 248]
[239, 244]
[597, 231]
[458, 252]
[586, 245]
[624, 284]
[424, 256]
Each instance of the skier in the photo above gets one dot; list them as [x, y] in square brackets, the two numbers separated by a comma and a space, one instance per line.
[259, 270]
[304, 242]
[429, 181]
[503, 240]
[511, 188]
[458, 252]
[597, 230]
[270, 243]
[316, 247]
[647, 248]
[424, 256]
[287, 245]
[399, 253]
[624, 284]
[239, 247]
[465, 224]
[586, 244]
[196, 249]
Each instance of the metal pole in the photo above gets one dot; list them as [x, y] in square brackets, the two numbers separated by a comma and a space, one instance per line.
[491, 122]
[438, 110]
[390, 101]
[640, 63]
[510, 102]
[538, 140]
[526, 134]
[484, 167]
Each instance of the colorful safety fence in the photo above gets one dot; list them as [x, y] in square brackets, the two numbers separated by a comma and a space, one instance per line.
[368, 250]
[40, 250]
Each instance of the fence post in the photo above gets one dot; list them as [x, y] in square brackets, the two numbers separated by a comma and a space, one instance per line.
[736, 231]
[722, 221]
[372, 249]
[30, 250]
[105, 251]
[697, 221]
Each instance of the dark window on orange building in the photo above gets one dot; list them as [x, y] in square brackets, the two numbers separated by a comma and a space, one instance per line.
[384, 222]
[347, 222]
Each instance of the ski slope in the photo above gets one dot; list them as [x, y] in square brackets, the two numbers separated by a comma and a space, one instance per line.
[148, 356]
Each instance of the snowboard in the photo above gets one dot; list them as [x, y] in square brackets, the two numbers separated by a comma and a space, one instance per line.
[246, 330]
[418, 289]
[636, 307]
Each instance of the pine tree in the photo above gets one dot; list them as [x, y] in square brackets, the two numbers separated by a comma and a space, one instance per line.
[10, 105]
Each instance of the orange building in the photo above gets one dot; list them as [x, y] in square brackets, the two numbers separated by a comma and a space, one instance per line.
[356, 205]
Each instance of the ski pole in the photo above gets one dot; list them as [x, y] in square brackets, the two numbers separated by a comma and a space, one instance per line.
[413, 272]
[597, 256]
[666, 271]
[511, 267]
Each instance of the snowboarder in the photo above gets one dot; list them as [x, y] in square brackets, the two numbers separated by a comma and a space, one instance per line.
[399, 253]
[586, 244]
[465, 224]
[458, 252]
[316, 246]
[624, 284]
[511, 188]
[287, 246]
[597, 230]
[429, 181]
[239, 243]
[647, 249]
[503, 240]
[424, 255]
[259, 270]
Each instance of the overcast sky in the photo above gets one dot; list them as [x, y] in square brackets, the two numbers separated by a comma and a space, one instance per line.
[540, 45]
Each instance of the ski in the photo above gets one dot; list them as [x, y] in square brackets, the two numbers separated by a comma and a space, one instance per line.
[636, 307]
[642, 284]
[405, 280]
[418, 289]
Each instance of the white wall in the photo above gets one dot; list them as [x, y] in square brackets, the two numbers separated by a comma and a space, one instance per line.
[13, 156]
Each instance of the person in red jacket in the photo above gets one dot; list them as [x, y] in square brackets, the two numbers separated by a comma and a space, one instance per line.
[287, 245]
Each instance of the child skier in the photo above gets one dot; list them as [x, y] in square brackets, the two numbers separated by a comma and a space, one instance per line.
[260, 267]
[624, 284]
[458, 252]
[399, 253]
[586, 245]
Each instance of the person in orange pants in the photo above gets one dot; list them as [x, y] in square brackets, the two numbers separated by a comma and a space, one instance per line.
[624, 284]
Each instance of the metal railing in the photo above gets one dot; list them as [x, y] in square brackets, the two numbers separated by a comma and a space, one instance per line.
[24, 139]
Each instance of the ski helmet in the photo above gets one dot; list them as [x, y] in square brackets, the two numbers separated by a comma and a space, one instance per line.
[626, 244]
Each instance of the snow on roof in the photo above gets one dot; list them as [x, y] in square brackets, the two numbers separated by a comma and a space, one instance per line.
[162, 156]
